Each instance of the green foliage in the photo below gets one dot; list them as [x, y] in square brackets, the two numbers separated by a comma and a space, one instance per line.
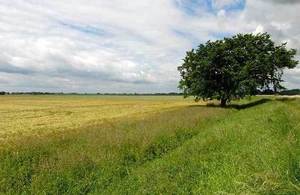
[235, 67]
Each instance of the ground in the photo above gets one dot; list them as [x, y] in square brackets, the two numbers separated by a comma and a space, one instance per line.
[148, 145]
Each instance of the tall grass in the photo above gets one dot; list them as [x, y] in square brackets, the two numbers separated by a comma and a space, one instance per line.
[191, 149]
[256, 150]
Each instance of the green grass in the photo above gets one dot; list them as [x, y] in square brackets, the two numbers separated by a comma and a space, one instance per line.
[198, 149]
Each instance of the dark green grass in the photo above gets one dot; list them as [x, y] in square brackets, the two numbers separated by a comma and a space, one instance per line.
[194, 150]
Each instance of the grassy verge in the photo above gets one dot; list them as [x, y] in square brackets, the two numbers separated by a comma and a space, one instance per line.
[255, 150]
[196, 149]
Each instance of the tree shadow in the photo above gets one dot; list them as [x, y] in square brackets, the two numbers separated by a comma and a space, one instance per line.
[237, 106]
[248, 105]
[285, 99]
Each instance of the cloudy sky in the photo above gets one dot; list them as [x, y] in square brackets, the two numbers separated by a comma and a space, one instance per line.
[125, 46]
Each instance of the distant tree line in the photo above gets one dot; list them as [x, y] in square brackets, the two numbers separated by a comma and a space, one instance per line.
[290, 92]
[29, 93]
[259, 92]
[142, 94]
[283, 92]
[74, 93]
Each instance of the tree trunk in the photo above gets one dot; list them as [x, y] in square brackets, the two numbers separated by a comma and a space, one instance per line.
[223, 102]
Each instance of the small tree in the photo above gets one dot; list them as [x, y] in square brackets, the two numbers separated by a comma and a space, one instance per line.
[235, 67]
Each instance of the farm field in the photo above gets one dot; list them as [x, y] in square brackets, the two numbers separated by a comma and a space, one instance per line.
[148, 145]
[39, 115]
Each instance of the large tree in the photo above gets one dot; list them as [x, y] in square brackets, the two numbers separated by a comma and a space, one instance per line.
[235, 67]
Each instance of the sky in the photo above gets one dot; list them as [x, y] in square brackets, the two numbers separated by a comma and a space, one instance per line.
[126, 46]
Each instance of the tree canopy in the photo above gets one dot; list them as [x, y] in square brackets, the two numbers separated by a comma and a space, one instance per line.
[235, 67]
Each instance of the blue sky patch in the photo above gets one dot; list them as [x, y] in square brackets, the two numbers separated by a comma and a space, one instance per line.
[237, 6]
[87, 29]
[193, 7]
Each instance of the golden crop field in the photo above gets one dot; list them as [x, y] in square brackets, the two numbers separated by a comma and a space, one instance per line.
[37, 115]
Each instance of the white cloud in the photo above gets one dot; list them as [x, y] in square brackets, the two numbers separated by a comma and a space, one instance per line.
[259, 29]
[118, 45]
